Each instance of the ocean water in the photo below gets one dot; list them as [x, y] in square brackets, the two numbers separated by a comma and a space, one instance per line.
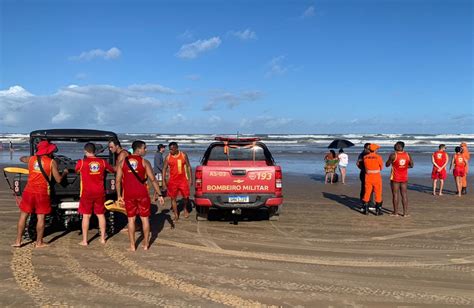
[301, 154]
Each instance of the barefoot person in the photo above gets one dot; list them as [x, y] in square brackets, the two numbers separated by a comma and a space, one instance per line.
[177, 163]
[330, 165]
[373, 165]
[440, 160]
[459, 164]
[132, 176]
[120, 153]
[36, 198]
[401, 161]
[467, 157]
[92, 171]
[343, 162]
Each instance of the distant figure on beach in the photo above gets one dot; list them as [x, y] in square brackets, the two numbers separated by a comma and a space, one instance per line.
[467, 157]
[343, 162]
[440, 160]
[459, 164]
[331, 161]
[158, 162]
[10, 146]
[92, 197]
[360, 165]
[179, 179]
[134, 174]
[401, 161]
[36, 195]
[373, 165]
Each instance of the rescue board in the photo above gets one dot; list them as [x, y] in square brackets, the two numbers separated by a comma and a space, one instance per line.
[114, 206]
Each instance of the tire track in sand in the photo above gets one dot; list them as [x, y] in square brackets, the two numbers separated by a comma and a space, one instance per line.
[178, 284]
[309, 260]
[204, 236]
[27, 279]
[73, 265]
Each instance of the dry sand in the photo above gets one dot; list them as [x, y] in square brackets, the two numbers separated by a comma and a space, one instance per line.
[321, 253]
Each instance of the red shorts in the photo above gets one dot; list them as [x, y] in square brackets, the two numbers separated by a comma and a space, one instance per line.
[175, 188]
[138, 206]
[459, 172]
[87, 204]
[438, 175]
[35, 203]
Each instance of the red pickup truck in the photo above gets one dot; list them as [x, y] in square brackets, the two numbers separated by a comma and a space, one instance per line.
[238, 174]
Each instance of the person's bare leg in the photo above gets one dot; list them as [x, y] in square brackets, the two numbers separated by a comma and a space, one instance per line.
[326, 178]
[101, 218]
[441, 184]
[343, 175]
[404, 193]
[395, 191]
[186, 204]
[174, 206]
[332, 177]
[459, 185]
[131, 233]
[20, 228]
[434, 187]
[85, 229]
[146, 232]
[40, 231]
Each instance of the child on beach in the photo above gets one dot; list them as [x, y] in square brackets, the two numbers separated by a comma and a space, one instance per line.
[92, 171]
[440, 160]
[132, 175]
[459, 171]
[36, 196]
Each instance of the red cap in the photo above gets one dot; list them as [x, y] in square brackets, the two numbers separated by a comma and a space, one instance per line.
[45, 148]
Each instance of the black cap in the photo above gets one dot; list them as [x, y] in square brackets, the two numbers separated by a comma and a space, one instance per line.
[161, 146]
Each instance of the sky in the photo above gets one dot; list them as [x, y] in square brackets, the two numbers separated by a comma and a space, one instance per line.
[251, 67]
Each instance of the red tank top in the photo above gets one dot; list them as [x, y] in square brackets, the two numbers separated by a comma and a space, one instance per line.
[440, 158]
[36, 182]
[92, 171]
[400, 167]
[132, 187]
[177, 166]
[459, 161]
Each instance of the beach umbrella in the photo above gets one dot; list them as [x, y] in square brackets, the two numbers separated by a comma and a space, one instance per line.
[340, 144]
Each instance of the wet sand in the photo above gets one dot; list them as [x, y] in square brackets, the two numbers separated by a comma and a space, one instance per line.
[321, 253]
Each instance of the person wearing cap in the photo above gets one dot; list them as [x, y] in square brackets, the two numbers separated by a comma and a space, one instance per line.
[158, 162]
[440, 160]
[92, 197]
[36, 195]
[373, 165]
[467, 157]
[400, 161]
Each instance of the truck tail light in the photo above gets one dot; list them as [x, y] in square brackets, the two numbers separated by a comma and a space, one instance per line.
[198, 182]
[278, 180]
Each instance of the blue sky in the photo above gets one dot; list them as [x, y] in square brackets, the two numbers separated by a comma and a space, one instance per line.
[247, 66]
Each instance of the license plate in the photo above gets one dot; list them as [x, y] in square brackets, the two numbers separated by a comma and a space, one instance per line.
[239, 199]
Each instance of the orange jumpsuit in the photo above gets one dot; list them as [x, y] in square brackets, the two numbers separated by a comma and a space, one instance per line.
[373, 179]
[467, 156]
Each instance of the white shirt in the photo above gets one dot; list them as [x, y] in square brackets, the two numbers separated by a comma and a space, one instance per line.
[343, 159]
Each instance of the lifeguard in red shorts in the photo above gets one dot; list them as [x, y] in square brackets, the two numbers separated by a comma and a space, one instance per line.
[440, 160]
[179, 179]
[373, 165]
[459, 163]
[132, 176]
[92, 171]
[36, 198]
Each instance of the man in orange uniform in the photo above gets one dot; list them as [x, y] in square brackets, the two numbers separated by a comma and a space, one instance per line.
[133, 175]
[440, 160]
[401, 161]
[36, 198]
[467, 157]
[373, 165]
[92, 171]
[179, 178]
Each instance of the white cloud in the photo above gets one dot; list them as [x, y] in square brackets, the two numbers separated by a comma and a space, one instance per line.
[94, 106]
[186, 35]
[231, 100]
[192, 50]
[309, 12]
[244, 35]
[276, 67]
[111, 54]
[151, 88]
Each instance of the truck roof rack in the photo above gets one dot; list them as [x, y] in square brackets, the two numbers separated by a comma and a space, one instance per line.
[237, 139]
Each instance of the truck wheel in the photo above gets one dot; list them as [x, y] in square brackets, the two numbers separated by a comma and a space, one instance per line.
[274, 213]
